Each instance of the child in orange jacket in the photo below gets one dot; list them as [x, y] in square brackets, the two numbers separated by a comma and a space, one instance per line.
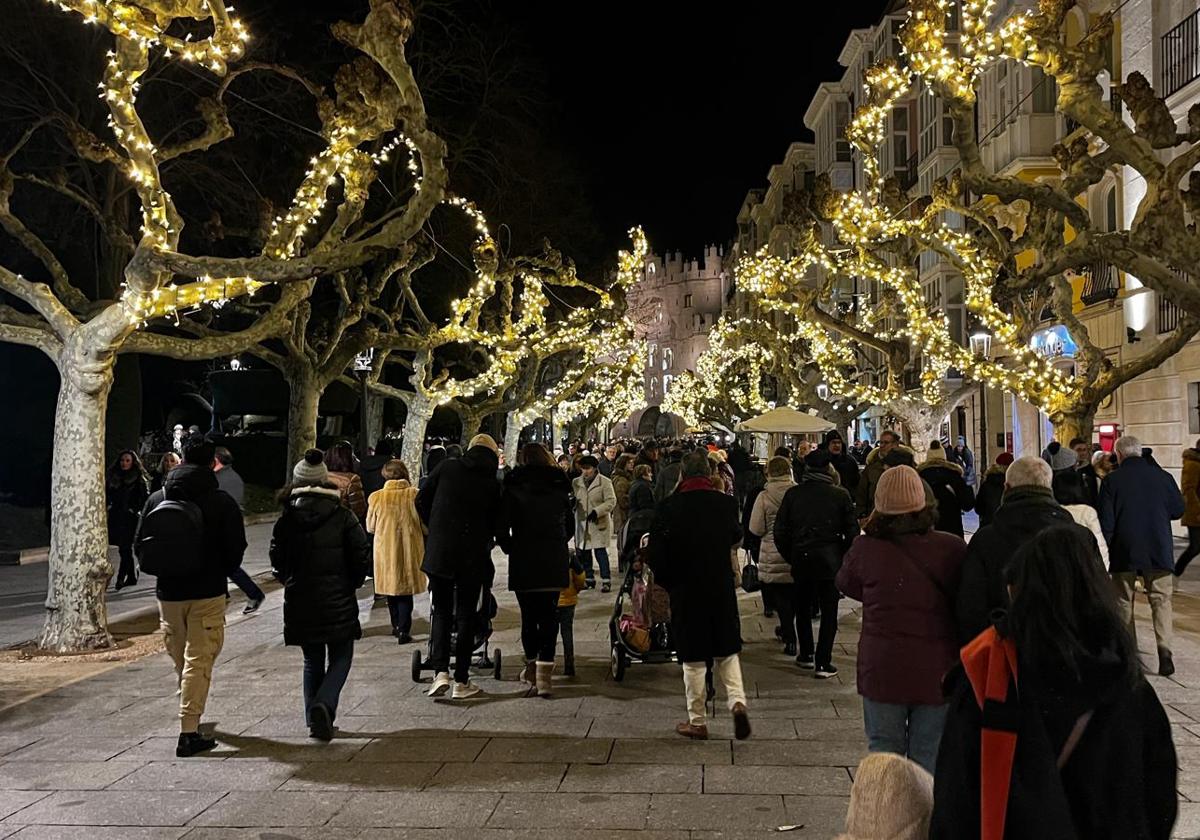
[567, 599]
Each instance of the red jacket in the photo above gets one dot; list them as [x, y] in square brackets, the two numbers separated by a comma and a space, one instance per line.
[907, 586]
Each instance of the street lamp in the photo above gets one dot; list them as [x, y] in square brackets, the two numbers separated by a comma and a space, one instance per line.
[981, 344]
[981, 347]
[362, 368]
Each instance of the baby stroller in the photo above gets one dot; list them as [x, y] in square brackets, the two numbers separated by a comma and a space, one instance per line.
[639, 628]
[483, 659]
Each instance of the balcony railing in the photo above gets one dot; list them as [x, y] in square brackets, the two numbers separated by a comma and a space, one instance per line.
[1181, 55]
[1168, 311]
[909, 177]
[1101, 283]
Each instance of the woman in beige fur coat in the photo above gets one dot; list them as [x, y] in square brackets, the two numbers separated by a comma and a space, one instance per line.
[399, 546]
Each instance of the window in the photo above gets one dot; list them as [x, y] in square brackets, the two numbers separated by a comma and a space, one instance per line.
[687, 301]
[653, 387]
[666, 384]
[1045, 92]
[900, 151]
[1111, 222]
[841, 117]
[1194, 408]
[653, 351]
[899, 119]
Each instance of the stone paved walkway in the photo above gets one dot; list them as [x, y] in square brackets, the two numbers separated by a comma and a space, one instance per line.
[95, 759]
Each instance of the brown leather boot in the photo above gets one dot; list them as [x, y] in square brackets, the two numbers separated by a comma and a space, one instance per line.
[690, 730]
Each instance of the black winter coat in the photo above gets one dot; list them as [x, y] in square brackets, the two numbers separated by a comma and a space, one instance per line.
[537, 522]
[691, 541]
[1137, 503]
[460, 504]
[814, 528]
[641, 496]
[370, 471]
[666, 478]
[954, 496]
[224, 532]
[126, 496]
[848, 472]
[1118, 784]
[990, 495]
[320, 552]
[1025, 512]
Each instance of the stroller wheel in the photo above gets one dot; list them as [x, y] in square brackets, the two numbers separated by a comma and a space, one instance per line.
[416, 666]
[497, 658]
[620, 661]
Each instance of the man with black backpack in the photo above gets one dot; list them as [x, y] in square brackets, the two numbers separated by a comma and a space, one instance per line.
[191, 537]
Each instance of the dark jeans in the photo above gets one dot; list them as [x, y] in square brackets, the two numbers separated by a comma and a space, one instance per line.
[826, 594]
[325, 677]
[127, 570]
[445, 594]
[1181, 565]
[400, 608]
[244, 583]
[601, 555]
[539, 624]
[782, 599]
[566, 626]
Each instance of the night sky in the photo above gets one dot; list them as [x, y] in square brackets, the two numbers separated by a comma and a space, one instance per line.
[676, 114]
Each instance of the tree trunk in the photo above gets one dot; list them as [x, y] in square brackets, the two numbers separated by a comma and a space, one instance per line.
[76, 616]
[512, 438]
[470, 427]
[1075, 422]
[420, 410]
[303, 404]
[375, 404]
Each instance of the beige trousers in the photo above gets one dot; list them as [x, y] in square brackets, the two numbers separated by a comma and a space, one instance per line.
[727, 671]
[194, 632]
[1159, 586]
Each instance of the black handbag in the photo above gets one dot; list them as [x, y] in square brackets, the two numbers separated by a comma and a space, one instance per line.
[750, 581]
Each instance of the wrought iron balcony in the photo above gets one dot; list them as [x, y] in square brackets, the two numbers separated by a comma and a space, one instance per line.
[1102, 283]
[908, 178]
[1168, 311]
[1181, 55]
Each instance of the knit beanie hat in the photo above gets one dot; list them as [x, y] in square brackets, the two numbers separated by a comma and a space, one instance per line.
[892, 799]
[1004, 459]
[486, 441]
[310, 470]
[936, 452]
[900, 490]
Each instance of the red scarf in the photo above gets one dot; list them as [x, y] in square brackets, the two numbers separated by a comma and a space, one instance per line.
[696, 482]
[991, 665]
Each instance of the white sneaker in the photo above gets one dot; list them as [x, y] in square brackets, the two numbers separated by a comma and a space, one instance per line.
[441, 683]
[464, 691]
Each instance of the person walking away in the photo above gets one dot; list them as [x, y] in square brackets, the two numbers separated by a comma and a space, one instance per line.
[1058, 457]
[1137, 503]
[1189, 485]
[891, 799]
[399, 546]
[743, 469]
[649, 456]
[622, 479]
[725, 472]
[126, 487]
[1083, 466]
[864, 497]
[608, 460]
[841, 460]
[666, 475]
[321, 554]
[595, 501]
[1073, 743]
[694, 531]
[991, 491]
[752, 543]
[460, 506]
[191, 536]
[166, 463]
[813, 530]
[641, 512]
[370, 468]
[965, 458]
[536, 525]
[1071, 492]
[905, 574]
[1027, 509]
[230, 482]
[343, 472]
[433, 458]
[954, 497]
[779, 589]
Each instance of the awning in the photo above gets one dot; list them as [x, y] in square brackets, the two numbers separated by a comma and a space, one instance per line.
[786, 421]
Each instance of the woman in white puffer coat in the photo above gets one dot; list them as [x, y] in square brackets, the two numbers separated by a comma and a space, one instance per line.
[773, 570]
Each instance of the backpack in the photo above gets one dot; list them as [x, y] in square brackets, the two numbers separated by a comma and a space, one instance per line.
[171, 539]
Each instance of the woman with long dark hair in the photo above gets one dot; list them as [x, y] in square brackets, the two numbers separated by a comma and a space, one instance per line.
[343, 473]
[1074, 742]
[127, 487]
[538, 520]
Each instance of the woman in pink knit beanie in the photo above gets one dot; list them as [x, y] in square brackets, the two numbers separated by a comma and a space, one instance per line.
[906, 575]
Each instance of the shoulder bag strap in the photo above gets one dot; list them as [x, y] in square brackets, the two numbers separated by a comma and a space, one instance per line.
[928, 575]
[1072, 742]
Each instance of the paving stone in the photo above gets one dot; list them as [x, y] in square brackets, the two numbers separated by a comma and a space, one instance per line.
[73, 748]
[64, 775]
[124, 832]
[12, 743]
[308, 808]
[632, 778]
[360, 775]
[678, 751]
[549, 750]
[395, 726]
[168, 808]
[288, 750]
[829, 730]
[274, 833]
[12, 801]
[800, 753]
[422, 749]
[498, 777]
[580, 810]
[206, 775]
[828, 781]
[427, 809]
[708, 812]
[822, 816]
[562, 833]
[1187, 824]
[533, 727]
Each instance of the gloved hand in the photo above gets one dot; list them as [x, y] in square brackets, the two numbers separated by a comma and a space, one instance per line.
[593, 516]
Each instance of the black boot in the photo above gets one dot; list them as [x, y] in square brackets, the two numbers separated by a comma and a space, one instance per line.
[1166, 663]
[193, 743]
[569, 666]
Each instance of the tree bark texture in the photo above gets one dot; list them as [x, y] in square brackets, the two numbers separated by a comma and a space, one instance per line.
[512, 439]
[303, 405]
[420, 410]
[1072, 424]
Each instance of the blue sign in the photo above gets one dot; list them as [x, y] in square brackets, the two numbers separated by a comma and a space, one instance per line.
[1054, 342]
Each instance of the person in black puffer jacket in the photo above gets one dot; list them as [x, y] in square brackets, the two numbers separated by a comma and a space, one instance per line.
[954, 496]
[538, 522]
[460, 504]
[321, 554]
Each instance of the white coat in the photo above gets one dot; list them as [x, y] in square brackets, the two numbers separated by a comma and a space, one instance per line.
[1085, 515]
[598, 496]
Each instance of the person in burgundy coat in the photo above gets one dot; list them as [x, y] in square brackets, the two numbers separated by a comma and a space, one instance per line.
[906, 575]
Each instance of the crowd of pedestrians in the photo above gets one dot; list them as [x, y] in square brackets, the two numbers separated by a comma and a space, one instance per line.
[1040, 599]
